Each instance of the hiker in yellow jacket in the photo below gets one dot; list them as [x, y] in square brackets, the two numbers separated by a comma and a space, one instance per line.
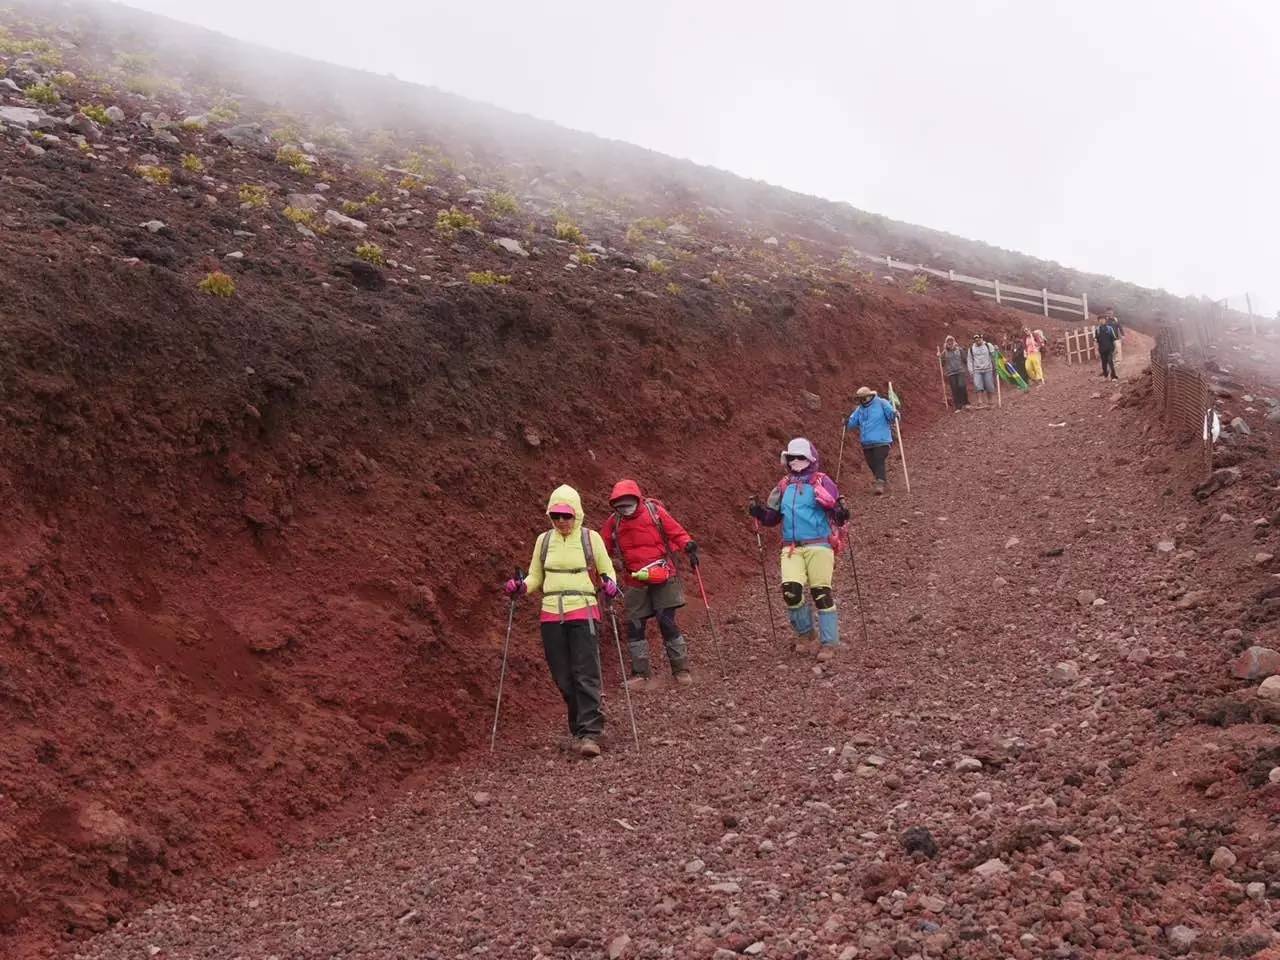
[560, 568]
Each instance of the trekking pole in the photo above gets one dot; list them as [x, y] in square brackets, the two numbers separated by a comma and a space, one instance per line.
[840, 459]
[866, 638]
[626, 691]
[946, 403]
[764, 574]
[902, 449]
[715, 634]
[511, 616]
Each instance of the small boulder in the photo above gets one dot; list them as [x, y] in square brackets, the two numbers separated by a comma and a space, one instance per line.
[811, 400]
[1180, 939]
[1256, 663]
[343, 222]
[115, 114]
[1223, 859]
[991, 868]
[512, 246]
[1067, 671]
[1086, 597]
[1269, 689]
[1240, 427]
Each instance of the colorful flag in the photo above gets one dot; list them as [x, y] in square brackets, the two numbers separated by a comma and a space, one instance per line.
[1006, 372]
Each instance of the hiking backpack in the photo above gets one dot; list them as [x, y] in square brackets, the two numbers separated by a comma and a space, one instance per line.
[652, 506]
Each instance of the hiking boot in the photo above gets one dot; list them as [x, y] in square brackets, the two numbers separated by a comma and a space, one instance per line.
[878, 488]
[827, 653]
[640, 683]
[684, 678]
[588, 748]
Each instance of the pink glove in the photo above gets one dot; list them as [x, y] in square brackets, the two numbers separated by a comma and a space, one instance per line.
[610, 588]
[514, 588]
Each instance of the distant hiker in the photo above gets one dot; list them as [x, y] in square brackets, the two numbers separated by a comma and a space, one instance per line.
[642, 538]
[953, 367]
[1016, 349]
[1111, 318]
[811, 511]
[1106, 336]
[873, 419]
[982, 368]
[1031, 347]
[563, 559]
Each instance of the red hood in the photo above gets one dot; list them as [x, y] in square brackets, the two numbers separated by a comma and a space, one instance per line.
[625, 488]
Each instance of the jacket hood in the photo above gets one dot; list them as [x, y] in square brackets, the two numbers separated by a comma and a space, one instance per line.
[801, 447]
[625, 488]
[566, 494]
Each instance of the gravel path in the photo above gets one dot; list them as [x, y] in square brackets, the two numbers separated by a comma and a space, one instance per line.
[1012, 767]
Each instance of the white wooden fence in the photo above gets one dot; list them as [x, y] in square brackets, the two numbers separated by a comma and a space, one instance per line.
[994, 289]
[1082, 346]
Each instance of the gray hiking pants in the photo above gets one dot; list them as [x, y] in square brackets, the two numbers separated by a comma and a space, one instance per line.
[660, 603]
[572, 650]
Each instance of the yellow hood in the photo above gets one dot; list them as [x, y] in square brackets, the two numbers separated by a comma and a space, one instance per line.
[566, 494]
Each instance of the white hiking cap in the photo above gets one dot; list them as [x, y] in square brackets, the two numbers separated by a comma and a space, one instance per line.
[799, 447]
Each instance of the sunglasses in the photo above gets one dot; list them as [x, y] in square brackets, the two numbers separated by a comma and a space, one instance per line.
[793, 457]
[561, 517]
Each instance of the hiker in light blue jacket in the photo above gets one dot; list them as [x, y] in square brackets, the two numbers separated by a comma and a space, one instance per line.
[873, 419]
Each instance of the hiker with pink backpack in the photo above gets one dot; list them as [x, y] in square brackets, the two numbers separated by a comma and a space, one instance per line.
[809, 508]
[644, 540]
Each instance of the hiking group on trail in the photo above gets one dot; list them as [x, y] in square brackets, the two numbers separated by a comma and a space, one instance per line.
[635, 555]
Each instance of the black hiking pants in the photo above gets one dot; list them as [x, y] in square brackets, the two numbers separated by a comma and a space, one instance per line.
[877, 457]
[1108, 362]
[959, 389]
[572, 650]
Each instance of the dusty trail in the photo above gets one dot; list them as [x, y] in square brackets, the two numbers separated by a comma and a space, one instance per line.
[765, 816]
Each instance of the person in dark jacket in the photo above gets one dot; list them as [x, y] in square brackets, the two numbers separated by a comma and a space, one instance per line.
[1106, 336]
[954, 367]
[873, 419]
[643, 539]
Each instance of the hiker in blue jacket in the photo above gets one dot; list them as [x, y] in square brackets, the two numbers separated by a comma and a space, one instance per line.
[873, 419]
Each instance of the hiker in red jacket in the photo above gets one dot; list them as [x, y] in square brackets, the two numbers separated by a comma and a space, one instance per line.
[642, 537]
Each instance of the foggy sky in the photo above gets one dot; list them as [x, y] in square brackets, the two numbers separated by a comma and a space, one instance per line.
[1138, 139]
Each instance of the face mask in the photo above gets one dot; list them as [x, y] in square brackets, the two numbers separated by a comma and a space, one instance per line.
[799, 466]
[627, 508]
[865, 400]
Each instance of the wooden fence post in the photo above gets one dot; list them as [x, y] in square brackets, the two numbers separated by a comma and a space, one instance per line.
[1084, 306]
[1044, 295]
[1253, 323]
[997, 283]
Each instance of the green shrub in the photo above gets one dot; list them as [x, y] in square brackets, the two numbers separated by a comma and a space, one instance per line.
[45, 93]
[155, 174]
[374, 199]
[147, 85]
[192, 164]
[585, 258]
[502, 205]
[217, 284]
[297, 215]
[568, 230]
[370, 252]
[194, 125]
[657, 266]
[96, 113]
[673, 288]
[351, 207]
[64, 78]
[919, 284]
[449, 222]
[294, 159]
[133, 62]
[224, 112]
[253, 195]
[487, 278]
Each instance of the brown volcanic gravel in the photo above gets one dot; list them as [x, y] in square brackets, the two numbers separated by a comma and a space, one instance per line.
[1071, 810]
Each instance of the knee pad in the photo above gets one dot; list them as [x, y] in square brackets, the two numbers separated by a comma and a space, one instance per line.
[792, 593]
[823, 598]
